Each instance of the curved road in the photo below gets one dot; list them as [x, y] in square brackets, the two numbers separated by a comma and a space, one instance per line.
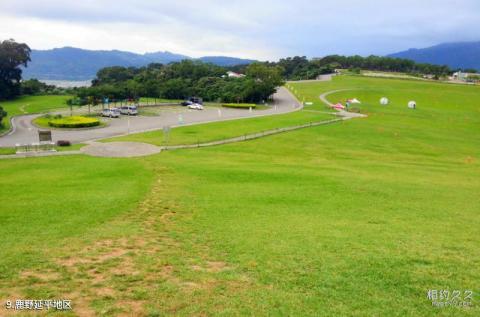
[342, 113]
[24, 132]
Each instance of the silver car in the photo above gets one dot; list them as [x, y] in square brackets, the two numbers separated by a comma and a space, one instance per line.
[129, 110]
[111, 113]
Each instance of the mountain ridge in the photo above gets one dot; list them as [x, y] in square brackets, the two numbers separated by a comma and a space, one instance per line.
[456, 55]
[71, 63]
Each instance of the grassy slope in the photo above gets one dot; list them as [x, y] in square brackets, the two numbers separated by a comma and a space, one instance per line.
[359, 218]
[48, 200]
[31, 104]
[222, 130]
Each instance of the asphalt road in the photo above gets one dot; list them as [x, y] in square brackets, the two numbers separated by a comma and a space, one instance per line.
[24, 132]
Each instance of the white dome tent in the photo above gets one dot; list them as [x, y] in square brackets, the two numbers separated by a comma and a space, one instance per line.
[384, 101]
[412, 105]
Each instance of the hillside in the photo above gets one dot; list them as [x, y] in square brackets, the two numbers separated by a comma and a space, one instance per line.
[456, 55]
[69, 63]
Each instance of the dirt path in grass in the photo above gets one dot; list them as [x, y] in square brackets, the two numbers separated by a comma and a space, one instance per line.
[345, 114]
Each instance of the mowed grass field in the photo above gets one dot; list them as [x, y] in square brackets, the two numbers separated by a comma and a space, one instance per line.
[31, 104]
[359, 218]
[214, 131]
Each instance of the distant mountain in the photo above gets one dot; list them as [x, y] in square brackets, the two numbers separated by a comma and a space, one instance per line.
[456, 55]
[69, 63]
[225, 60]
[165, 57]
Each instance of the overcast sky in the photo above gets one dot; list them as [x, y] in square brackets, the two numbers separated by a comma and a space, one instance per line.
[262, 29]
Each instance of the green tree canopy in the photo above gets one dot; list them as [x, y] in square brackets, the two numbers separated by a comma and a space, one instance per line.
[3, 114]
[184, 79]
[12, 56]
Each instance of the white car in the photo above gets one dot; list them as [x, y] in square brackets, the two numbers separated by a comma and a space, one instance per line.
[111, 113]
[195, 106]
[129, 110]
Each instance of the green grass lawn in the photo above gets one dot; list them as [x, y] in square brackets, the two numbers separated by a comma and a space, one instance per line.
[226, 129]
[359, 218]
[31, 104]
[159, 100]
[39, 218]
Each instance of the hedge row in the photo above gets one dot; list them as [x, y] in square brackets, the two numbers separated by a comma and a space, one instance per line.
[240, 105]
[74, 122]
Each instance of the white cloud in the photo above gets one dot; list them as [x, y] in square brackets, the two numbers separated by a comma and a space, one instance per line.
[259, 29]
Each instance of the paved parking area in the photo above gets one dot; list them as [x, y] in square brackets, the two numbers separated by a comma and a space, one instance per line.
[120, 149]
[25, 132]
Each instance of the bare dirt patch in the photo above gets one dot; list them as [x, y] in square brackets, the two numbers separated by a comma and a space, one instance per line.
[44, 276]
[211, 267]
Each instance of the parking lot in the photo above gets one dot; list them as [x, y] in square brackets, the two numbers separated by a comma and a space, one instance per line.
[149, 118]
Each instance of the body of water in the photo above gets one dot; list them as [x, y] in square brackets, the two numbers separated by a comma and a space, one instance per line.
[67, 83]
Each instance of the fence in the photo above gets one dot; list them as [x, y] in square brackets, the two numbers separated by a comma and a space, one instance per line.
[251, 136]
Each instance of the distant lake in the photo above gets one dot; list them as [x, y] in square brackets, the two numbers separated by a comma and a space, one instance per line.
[67, 83]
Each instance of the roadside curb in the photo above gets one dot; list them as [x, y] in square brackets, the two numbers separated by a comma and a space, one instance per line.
[11, 129]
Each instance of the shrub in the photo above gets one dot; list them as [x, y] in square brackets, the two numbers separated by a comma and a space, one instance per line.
[240, 105]
[74, 122]
[63, 143]
[3, 114]
[354, 109]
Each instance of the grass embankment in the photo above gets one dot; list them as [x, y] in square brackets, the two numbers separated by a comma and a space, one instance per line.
[149, 100]
[359, 218]
[223, 130]
[31, 104]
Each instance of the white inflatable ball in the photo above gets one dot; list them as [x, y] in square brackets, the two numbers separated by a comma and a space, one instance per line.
[412, 105]
[384, 101]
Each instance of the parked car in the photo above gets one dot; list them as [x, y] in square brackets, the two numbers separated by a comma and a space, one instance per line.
[129, 110]
[112, 113]
[196, 106]
[191, 101]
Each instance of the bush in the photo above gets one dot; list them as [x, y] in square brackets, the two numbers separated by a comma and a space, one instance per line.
[240, 105]
[74, 122]
[354, 109]
[3, 114]
[63, 143]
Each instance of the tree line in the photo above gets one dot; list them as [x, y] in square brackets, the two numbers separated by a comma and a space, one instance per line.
[299, 67]
[181, 80]
[193, 78]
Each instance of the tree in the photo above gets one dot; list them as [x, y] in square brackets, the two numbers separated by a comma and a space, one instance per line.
[3, 114]
[176, 89]
[12, 56]
[266, 78]
[35, 87]
[114, 74]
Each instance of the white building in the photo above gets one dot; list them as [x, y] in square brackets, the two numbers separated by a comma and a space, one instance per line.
[231, 74]
[463, 76]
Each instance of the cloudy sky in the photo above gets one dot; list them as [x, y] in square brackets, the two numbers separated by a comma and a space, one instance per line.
[262, 29]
